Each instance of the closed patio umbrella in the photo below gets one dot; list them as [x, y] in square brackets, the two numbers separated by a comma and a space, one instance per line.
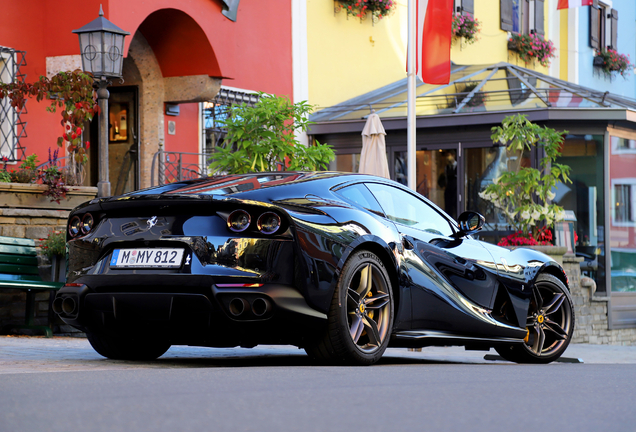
[373, 158]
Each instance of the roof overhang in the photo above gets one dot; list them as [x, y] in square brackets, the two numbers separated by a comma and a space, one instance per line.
[483, 118]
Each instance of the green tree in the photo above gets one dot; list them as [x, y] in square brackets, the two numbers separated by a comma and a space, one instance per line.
[261, 138]
[524, 194]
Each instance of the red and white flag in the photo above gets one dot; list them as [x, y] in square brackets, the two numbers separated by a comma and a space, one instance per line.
[567, 4]
[433, 40]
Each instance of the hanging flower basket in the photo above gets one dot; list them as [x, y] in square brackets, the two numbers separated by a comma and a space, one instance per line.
[532, 47]
[465, 26]
[360, 8]
[611, 61]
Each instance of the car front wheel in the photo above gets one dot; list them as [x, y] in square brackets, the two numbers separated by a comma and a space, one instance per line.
[550, 324]
[361, 314]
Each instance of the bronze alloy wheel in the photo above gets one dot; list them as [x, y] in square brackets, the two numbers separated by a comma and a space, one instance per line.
[549, 324]
[360, 318]
[549, 320]
[368, 308]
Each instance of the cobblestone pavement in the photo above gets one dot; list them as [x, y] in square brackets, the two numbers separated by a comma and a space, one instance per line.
[24, 354]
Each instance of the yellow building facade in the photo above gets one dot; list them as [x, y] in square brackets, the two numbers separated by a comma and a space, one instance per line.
[348, 57]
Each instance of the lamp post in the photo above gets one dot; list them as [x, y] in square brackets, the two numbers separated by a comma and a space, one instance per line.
[102, 48]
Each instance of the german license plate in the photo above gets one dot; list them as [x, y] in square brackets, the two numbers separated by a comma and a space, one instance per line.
[147, 258]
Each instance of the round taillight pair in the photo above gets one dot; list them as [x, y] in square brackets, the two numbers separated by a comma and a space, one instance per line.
[83, 226]
[268, 223]
[239, 221]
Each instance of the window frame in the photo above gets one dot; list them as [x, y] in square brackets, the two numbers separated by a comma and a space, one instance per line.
[465, 7]
[9, 138]
[616, 150]
[631, 182]
[531, 16]
[604, 33]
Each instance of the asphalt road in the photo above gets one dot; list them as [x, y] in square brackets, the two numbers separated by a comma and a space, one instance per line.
[64, 386]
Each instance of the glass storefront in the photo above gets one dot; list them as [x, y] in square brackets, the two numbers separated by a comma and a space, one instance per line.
[436, 176]
[585, 197]
[345, 163]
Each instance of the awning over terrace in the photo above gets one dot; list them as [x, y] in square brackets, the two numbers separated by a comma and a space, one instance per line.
[475, 89]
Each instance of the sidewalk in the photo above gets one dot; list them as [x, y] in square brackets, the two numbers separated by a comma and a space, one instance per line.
[23, 354]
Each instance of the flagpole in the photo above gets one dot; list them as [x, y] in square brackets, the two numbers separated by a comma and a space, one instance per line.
[410, 118]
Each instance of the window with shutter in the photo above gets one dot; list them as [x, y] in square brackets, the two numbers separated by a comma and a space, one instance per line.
[468, 7]
[506, 15]
[465, 7]
[614, 27]
[596, 26]
[539, 17]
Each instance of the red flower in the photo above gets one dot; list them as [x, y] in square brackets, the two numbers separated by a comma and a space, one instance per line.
[78, 131]
[73, 136]
[88, 145]
[79, 105]
[68, 127]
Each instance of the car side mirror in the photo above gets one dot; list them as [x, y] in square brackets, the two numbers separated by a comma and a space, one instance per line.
[469, 222]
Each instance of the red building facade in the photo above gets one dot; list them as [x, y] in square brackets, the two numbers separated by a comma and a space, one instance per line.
[179, 54]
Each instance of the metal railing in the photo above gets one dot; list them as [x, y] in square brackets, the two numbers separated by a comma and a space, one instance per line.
[169, 167]
[12, 125]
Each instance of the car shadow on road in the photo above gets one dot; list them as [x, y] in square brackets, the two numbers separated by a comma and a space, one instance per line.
[280, 360]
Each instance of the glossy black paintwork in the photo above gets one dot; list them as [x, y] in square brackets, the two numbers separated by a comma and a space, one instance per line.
[445, 288]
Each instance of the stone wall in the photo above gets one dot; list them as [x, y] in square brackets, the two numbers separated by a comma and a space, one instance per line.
[25, 213]
[31, 223]
[590, 311]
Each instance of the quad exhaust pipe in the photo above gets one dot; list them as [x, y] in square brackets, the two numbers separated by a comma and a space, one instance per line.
[65, 306]
[240, 307]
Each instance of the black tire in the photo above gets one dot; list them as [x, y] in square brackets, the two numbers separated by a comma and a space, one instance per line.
[361, 314]
[550, 324]
[127, 348]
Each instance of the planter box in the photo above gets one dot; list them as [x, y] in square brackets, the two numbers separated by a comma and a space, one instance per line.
[24, 195]
[598, 61]
[513, 46]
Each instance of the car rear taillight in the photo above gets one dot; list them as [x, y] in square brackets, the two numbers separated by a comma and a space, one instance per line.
[239, 220]
[268, 223]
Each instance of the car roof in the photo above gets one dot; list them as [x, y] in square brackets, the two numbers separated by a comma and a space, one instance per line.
[238, 184]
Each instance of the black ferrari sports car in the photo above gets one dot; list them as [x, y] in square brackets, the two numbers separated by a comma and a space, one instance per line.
[342, 265]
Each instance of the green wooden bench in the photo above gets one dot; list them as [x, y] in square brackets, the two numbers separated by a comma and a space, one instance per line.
[19, 270]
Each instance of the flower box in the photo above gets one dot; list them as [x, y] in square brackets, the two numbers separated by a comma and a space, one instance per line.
[531, 47]
[26, 195]
[611, 61]
[598, 61]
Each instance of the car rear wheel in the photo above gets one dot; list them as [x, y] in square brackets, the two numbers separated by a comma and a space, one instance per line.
[361, 314]
[550, 324]
[126, 347]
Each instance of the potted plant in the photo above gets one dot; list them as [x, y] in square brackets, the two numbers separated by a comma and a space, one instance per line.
[54, 248]
[261, 138]
[524, 194]
[611, 61]
[531, 47]
[466, 27]
[27, 171]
